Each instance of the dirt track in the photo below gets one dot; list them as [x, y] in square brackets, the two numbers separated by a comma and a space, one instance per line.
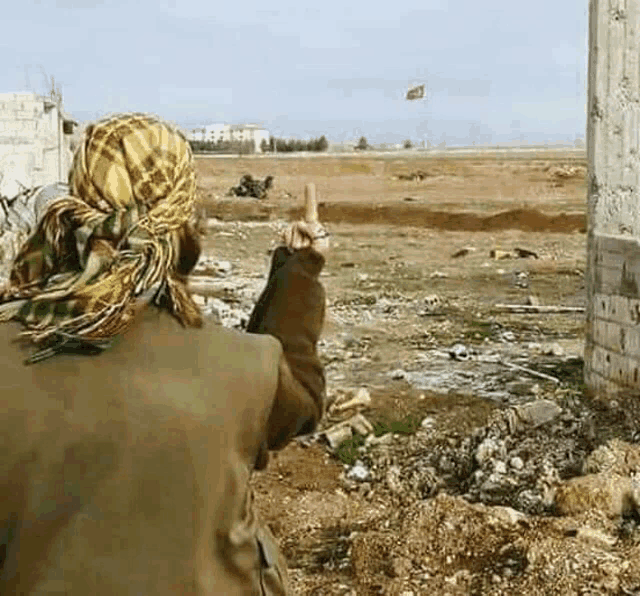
[444, 497]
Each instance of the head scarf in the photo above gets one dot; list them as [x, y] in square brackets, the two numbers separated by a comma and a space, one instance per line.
[112, 245]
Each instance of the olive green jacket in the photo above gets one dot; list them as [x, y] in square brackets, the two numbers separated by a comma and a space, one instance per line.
[127, 472]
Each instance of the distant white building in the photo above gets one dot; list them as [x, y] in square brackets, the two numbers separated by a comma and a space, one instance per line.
[214, 133]
[196, 134]
[250, 132]
[35, 141]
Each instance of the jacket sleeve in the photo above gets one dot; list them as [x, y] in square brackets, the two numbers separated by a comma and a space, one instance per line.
[292, 308]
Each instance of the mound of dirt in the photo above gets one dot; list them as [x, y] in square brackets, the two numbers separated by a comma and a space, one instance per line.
[528, 220]
[232, 210]
[564, 172]
[449, 546]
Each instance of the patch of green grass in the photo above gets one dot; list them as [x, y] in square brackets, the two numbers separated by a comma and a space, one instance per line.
[404, 426]
[347, 452]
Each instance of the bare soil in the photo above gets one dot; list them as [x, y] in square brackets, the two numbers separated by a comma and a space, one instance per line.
[428, 519]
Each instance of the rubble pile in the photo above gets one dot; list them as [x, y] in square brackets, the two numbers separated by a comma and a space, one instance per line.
[537, 457]
[417, 176]
[565, 171]
[224, 296]
[250, 187]
[18, 217]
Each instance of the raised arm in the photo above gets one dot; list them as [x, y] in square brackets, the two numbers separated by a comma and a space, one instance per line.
[292, 309]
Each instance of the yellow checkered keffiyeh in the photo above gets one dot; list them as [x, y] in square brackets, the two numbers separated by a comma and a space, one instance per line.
[112, 245]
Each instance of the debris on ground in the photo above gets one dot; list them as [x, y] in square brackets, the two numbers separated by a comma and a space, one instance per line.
[450, 475]
[524, 253]
[463, 252]
[498, 254]
[250, 187]
[417, 176]
[565, 172]
[517, 253]
[18, 217]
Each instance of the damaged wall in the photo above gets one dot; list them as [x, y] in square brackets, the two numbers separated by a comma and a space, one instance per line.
[35, 145]
[612, 347]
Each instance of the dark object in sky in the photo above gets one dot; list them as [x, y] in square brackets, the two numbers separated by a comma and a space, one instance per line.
[415, 92]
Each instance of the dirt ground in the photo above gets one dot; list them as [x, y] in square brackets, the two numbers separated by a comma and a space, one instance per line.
[473, 416]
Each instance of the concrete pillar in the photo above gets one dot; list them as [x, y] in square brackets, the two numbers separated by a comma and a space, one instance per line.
[612, 349]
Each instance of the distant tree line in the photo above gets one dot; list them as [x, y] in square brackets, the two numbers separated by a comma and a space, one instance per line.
[239, 147]
[289, 145]
[363, 144]
[274, 144]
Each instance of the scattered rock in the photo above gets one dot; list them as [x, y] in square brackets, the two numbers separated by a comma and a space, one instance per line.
[507, 514]
[360, 424]
[553, 349]
[463, 252]
[358, 398]
[372, 440]
[342, 431]
[438, 275]
[595, 536]
[486, 450]
[521, 279]
[393, 481]
[610, 494]
[538, 412]
[428, 423]
[523, 253]
[432, 303]
[459, 352]
[516, 463]
[209, 266]
[564, 172]
[499, 467]
[615, 457]
[359, 472]
[417, 176]
[498, 254]
[398, 374]
[338, 434]
[532, 300]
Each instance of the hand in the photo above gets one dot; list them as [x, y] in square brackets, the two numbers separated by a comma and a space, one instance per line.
[302, 234]
[310, 232]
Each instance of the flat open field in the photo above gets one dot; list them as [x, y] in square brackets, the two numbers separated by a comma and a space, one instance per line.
[470, 417]
[460, 192]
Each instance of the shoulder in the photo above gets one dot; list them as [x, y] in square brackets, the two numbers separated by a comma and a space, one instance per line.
[159, 369]
[157, 346]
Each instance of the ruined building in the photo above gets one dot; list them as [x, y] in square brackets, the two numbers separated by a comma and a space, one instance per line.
[35, 141]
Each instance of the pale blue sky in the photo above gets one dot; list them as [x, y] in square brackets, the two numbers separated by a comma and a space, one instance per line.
[503, 68]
